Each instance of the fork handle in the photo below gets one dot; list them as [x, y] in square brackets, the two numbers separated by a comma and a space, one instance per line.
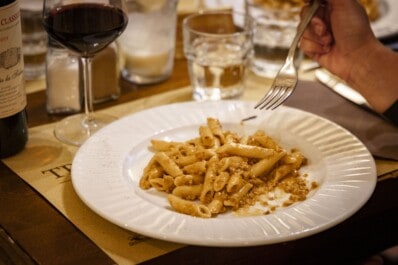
[302, 26]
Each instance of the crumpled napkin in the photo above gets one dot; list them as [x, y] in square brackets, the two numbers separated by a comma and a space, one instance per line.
[378, 135]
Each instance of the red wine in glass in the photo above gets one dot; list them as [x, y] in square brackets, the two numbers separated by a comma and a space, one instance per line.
[86, 28]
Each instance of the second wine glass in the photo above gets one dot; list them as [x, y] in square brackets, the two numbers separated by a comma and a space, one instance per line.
[85, 27]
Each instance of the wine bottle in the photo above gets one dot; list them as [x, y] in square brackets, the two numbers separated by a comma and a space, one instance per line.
[13, 122]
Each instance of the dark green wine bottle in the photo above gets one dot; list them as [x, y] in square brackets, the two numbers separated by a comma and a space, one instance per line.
[13, 122]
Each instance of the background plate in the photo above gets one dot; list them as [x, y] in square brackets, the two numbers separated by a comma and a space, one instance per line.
[107, 168]
[387, 24]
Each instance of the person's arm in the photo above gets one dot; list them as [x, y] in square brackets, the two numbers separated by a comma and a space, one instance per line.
[375, 76]
[341, 40]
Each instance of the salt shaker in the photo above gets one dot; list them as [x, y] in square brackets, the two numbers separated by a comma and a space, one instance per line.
[62, 80]
[105, 74]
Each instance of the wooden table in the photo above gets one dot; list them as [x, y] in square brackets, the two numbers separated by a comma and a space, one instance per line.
[36, 233]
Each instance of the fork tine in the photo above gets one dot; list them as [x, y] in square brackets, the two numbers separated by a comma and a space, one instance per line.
[271, 97]
[271, 94]
[276, 99]
[287, 92]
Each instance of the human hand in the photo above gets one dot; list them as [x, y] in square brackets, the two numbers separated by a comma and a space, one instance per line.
[339, 36]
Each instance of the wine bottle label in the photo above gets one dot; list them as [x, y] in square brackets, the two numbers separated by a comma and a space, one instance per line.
[12, 91]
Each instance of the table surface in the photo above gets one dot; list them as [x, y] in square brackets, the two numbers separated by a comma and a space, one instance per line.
[34, 232]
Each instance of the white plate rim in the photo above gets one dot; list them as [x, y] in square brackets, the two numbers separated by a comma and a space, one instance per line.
[110, 197]
[387, 24]
[384, 26]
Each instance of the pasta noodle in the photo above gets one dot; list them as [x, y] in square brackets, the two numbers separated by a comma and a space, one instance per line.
[220, 171]
[188, 207]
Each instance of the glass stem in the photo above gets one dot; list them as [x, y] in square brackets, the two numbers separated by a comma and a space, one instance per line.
[88, 91]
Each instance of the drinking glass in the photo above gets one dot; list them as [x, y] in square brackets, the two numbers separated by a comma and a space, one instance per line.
[148, 44]
[218, 46]
[275, 28]
[85, 27]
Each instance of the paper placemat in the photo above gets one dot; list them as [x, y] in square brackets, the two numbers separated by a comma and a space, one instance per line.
[45, 164]
[33, 86]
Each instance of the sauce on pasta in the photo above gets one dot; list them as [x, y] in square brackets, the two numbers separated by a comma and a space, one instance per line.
[220, 171]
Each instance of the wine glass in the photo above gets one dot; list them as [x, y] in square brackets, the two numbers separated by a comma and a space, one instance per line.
[85, 27]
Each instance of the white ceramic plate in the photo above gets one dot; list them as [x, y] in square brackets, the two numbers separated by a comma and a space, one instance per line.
[107, 168]
[387, 24]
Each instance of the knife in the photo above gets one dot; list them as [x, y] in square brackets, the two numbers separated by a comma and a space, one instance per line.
[338, 86]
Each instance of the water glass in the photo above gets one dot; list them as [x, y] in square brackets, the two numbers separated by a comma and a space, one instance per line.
[217, 45]
[148, 43]
[34, 39]
[275, 27]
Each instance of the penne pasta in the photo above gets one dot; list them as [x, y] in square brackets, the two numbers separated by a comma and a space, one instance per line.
[162, 184]
[168, 164]
[281, 172]
[188, 180]
[188, 207]
[235, 182]
[216, 129]
[265, 165]
[206, 136]
[208, 189]
[188, 192]
[295, 158]
[245, 150]
[220, 171]
[265, 141]
[232, 162]
[221, 181]
[185, 160]
[205, 154]
[197, 168]
[159, 145]
[216, 206]
[234, 200]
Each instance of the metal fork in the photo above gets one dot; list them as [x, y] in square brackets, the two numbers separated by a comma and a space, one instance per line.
[286, 79]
